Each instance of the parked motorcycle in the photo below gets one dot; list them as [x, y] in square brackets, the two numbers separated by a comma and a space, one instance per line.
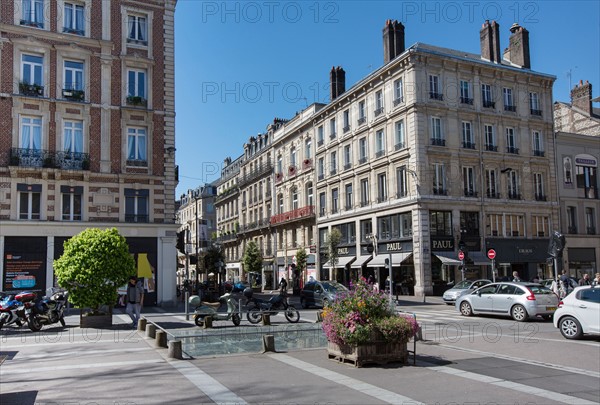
[257, 307]
[12, 311]
[50, 309]
[211, 309]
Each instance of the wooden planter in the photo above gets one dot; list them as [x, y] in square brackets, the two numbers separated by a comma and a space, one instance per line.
[378, 352]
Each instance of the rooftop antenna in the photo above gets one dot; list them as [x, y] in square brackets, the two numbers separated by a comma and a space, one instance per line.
[570, 75]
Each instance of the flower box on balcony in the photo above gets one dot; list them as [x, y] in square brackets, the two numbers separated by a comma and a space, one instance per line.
[27, 89]
[76, 95]
[292, 171]
[307, 164]
[137, 101]
[278, 177]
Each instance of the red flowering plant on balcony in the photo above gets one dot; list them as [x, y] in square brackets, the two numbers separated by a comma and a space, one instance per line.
[363, 315]
[292, 170]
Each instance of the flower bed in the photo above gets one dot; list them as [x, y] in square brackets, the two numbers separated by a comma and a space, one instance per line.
[362, 327]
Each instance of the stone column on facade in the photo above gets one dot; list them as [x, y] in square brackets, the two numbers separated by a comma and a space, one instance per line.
[422, 252]
[105, 111]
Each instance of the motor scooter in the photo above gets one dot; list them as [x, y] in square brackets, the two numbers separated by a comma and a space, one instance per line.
[257, 307]
[211, 309]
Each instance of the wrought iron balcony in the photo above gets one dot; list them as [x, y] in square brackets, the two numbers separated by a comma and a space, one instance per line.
[512, 149]
[591, 230]
[398, 101]
[511, 108]
[399, 146]
[73, 95]
[137, 101]
[470, 193]
[466, 100]
[320, 142]
[440, 191]
[346, 128]
[362, 120]
[362, 160]
[294, 215]
[491, 148]
[438, 142]
[436, 96]
[72, 160]
[75, 31]
[572, 229]
[540, 197]
[513, 195]
[378, 111]
[32, 90]
[539, 153]
[347, 166]
[379, 153]
[492, 194]
[535, 112]
[489, 104]
[468, 145]
[136, 218]
[43, 158]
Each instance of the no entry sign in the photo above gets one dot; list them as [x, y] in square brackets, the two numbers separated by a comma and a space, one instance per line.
[491, 254]
[461, 255]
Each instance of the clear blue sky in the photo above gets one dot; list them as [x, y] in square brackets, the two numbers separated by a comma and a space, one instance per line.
[239, 64]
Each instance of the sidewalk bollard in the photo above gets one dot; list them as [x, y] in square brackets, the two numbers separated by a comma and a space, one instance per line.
[266, 319]
[175, 351]
[151, 330]
[142, 322]
[161, 339]
[268, 343]
[319, 316]
[208, 322]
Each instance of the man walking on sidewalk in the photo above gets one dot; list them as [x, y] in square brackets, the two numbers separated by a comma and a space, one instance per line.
[135, 297]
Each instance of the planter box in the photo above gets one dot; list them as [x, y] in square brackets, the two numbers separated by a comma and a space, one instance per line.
[369, 353]
[96, 321]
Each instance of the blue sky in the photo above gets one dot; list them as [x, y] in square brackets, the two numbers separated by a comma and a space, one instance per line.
[239, 64]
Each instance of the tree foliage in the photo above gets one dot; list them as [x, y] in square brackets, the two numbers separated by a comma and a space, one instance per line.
[252, 259]
[214, 255]
[94, 264]
[332, 243]
[301, 259]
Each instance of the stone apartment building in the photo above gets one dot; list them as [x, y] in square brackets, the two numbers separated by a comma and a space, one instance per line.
[437, 150]
[87, 119]
[577, 137]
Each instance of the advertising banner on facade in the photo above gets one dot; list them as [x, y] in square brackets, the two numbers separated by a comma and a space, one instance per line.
[24, 265]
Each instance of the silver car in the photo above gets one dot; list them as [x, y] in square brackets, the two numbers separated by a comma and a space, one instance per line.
[462, 288]
[518, 300]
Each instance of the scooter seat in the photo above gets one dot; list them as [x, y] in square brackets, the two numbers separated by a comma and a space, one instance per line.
[214, 305]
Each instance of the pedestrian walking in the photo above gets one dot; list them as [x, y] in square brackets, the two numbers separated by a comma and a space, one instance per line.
[283, 286]
[596, 280]
[585, 280]
[516, 277]
[135, 298]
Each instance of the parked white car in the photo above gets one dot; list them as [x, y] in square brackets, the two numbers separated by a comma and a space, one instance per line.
[579, 313]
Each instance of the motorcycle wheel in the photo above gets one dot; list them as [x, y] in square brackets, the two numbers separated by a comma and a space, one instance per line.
[235, 318]
[199, 320]
[62, 321]
[254, 315]
[292, 314]
[34, 323]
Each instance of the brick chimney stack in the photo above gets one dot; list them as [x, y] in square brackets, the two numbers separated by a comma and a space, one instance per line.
[490, 41]
[393, 40]
[337, 80]
[581, 96]
[518, 47]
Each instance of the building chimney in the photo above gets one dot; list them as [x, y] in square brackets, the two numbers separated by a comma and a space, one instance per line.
[337, 80]
[393, 40]
[518, 46]
[490, 41]
[581, 97]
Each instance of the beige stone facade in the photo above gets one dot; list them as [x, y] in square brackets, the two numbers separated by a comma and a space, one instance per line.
[87, 92]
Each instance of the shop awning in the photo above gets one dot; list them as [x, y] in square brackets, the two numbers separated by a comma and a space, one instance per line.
[447, 258]
[358, 263]
[479, 259]
[342, 262]
[397, 258]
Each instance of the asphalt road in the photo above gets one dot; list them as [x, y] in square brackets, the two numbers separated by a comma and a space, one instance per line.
[460, 360]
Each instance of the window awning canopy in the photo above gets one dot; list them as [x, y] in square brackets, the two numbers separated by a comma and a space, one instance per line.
[479, 259]
[447, 258]
[397, 258]
[358, 263]
[342, 262]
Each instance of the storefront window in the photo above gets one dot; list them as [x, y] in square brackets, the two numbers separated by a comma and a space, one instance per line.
[440, 223]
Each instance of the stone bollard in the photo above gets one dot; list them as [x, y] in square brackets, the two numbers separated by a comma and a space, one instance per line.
[319, 316]
[268, 343]
[208, 322]
[266, 319]
[161, 339]
[151, 330]
[175, 351]
[142, 322]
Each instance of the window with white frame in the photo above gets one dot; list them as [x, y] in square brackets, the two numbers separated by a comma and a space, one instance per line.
[435, 88]
[346, 120]
[436, 131]
[465, 92]
[72, 198]
[487, 97]
[333, 160]
[349, 196]
[73, 76]
[590, 220]
[401, 182]
[491, 183]
[538, 186]
[378, 102]
[320, 135]
[540, 225]
[73, 19]
[490, 138]
[293, 156]
[72, 136]
[32, 13]
[32, 67]
[398, 91]
[279, 164]
[506, 225]
[332, 128]
[400, 141]
[31, 133]
[29, 201]
[467, 135]
[309, 194]
[137, 153]
[439, 179]
[308, 149]
[347, 157]
[362, 150]
[280, 209]
[364, 192]
[137, 29]
[537, 143]
[511, 141]
[509, 104]
[136, 206]
[294, 198]
[362, 113]
[136, 86]
[379, 143]
[534, 104]
[321, 168]
[322, 204]
[469, 182]
[513, 185]
[382, 193]
[334, 200]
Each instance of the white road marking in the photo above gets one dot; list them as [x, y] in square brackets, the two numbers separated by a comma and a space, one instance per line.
[36, 370]
[363, 387]
[51, 356]
[205, 383]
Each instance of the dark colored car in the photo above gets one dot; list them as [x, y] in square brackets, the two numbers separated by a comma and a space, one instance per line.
[320, 293]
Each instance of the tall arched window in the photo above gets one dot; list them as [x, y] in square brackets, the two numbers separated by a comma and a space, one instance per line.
[294, 198]
[293, 156]
[280, 203]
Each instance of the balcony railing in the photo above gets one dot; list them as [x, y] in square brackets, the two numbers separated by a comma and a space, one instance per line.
[362, 160]
[347, 166]
[591, 230]
[536, 112]
[399, 146]
[320, 142]
[466, 100]
[137, 101]
[262, 170]
[260, 224]
[440, 191]
[362, 120]
[470, 193]
[511, 108]
[379, 153]
[539, 153]
[48, 159]
[572, 229]
[73, 95]
[332, 172]
[513, 195]
[489, 104]
[540, 197]
[398, 101]
[491, 148]
[32, 90]
[321, 176]
[436, 96]
[332, 135]
[468, 145]
[512, 149]
[297, 214]
[378, 111]
[346, 128]
[438, 142]
[136, 218]
[492, 194]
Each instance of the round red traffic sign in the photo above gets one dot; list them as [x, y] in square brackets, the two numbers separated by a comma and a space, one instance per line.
[491, 254]
[461, 255]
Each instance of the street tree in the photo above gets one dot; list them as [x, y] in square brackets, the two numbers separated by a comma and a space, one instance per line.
[301, 259]
[333, 241]
[252, 259]
[94, 264]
